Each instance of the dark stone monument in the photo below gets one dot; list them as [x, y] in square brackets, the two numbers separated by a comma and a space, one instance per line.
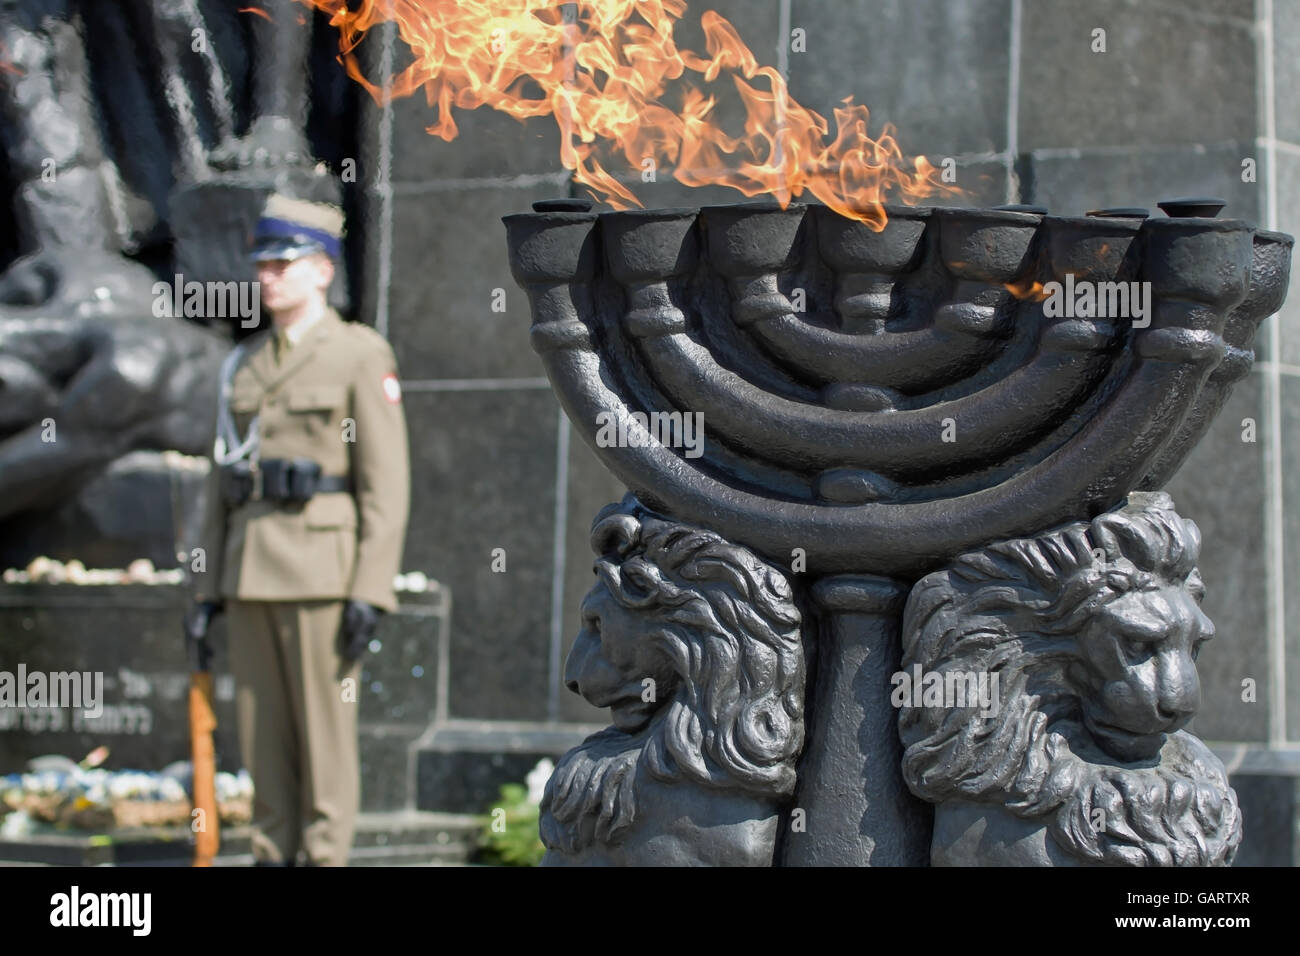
[128, 634]
[949, 456]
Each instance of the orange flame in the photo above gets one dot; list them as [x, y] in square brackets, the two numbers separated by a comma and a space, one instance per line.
[1030, 289]
[258, 11]
[617, 85]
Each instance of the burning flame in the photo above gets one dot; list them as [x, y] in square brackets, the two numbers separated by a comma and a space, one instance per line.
[1030, 289]
[615, 82]
[1033, 290]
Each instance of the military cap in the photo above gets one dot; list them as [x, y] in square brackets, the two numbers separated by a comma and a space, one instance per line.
[293, 228]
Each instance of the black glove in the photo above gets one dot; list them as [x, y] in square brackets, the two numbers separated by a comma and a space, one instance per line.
[199, 617]
[197, 621]
[359, 622]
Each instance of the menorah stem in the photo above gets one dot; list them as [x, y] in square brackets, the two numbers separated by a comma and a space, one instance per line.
[857, 810]
[862, 302]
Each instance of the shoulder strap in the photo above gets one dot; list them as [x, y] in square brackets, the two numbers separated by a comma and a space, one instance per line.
[228, 446]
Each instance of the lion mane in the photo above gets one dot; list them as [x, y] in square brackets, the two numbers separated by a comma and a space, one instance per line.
[1014, 609]
[728, 623]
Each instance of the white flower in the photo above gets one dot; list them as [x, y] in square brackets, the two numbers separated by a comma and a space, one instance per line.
[16, 824]
[169, 789]
[98, 794]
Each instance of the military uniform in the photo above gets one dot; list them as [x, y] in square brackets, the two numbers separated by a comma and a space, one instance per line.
[284, 570]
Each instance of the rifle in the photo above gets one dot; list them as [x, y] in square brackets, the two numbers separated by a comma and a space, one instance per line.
[203, 721]
[203, 718]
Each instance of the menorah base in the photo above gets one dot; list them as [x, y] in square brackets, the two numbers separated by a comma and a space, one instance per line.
[1033, 691]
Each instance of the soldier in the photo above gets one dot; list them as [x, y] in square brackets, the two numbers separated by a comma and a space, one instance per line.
[306, 515]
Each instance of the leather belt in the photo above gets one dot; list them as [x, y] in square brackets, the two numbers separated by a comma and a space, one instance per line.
[333, 483]
[284, 481]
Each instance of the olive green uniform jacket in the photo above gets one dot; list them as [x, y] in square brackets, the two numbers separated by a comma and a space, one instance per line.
[333, 398]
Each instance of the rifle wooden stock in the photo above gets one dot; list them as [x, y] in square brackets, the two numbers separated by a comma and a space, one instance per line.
[203, 721]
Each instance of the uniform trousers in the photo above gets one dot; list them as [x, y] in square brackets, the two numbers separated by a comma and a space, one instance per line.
[296, 704]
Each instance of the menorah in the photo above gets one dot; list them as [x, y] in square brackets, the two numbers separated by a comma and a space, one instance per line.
[889, 415]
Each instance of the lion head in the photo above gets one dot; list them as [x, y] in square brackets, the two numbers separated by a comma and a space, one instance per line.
[1093, 630]
[694, 644]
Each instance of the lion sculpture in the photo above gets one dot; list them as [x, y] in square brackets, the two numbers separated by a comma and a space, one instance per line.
[693, 643]
[1094, 631]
